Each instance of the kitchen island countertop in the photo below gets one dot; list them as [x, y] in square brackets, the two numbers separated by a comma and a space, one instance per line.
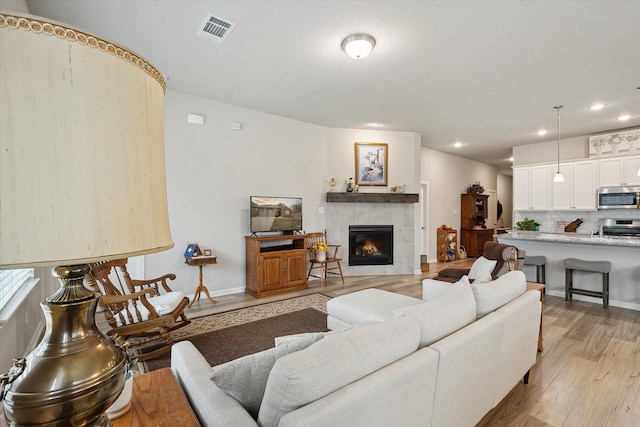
[571, 238]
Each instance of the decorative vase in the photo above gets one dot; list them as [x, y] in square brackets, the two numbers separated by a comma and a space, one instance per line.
[123, 402]
[321, 256]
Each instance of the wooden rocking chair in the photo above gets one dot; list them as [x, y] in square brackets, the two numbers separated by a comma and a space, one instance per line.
[329, 264]
[142, 312]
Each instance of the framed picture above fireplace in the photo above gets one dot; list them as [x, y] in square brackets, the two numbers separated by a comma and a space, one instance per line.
[371, 163]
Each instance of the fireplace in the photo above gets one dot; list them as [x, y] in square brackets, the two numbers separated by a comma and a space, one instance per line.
[370, 244]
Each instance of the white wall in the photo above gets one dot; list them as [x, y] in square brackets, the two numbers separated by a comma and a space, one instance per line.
[211, 172]
[448, 177]
[541, 152]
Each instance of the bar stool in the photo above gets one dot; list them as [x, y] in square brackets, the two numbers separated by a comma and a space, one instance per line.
[540, 262]
[571, 264]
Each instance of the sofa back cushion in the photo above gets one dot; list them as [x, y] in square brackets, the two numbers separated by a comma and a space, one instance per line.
[444, 315]
[493, 295]
[338, 359]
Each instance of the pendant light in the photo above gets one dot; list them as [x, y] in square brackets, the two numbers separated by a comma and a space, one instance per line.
[558, 177]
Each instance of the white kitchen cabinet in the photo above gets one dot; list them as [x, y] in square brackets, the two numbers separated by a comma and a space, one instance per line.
[531, 187]
[618, 171]
[578, 191]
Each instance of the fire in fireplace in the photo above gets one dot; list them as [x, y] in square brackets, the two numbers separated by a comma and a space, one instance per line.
[370, 244]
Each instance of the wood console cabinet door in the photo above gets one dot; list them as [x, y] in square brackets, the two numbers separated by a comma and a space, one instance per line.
[271, 270]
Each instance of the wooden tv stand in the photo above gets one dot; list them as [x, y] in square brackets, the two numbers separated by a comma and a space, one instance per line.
[275, 264]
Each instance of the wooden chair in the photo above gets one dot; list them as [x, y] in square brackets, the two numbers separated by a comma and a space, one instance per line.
[142, 312]
[326, 266]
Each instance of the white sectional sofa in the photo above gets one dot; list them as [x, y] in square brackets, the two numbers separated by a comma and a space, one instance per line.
[442, 362]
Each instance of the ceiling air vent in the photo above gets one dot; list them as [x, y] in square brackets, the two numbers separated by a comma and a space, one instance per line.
[215, 29]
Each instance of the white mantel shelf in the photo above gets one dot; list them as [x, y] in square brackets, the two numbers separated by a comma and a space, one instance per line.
[373, 197]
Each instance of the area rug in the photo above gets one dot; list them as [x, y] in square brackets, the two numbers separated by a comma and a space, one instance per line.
[227, 336]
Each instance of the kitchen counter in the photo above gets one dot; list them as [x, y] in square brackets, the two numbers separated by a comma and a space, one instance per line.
[623, 253]
[571, 238]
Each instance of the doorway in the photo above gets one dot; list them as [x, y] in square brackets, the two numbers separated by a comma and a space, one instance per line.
[424, 223]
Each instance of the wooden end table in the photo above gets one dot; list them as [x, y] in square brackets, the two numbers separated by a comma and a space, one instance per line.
[201, 261]
[538, 287]
[157, 400]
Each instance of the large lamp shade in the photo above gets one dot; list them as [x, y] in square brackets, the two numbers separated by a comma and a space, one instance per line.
[81, 179]
[82, 148]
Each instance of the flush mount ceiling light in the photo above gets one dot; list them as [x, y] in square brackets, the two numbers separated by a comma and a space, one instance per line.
[558, 177]
[624, 117]
[358, 46]
[458, 144]
[542, 132]
[375, 124]
[596, 107]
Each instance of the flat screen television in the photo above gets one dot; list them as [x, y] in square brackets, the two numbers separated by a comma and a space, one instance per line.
[282, 214]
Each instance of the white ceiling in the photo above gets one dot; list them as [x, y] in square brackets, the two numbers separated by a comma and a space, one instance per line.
[485, 73]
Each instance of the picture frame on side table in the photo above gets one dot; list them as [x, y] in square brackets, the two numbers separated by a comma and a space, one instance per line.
[372, 159]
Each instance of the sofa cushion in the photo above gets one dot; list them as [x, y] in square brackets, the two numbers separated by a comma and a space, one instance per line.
[480, 267]
[245, 378]
[484, 279]
[492, 295]
[454, 310]
[368, 305]
[333, 362]
[305, 339]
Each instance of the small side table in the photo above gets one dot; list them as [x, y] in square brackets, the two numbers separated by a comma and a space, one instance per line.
[200, 261]
[157, 400]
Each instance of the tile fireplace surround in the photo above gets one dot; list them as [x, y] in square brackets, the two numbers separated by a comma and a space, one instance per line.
[340, 215]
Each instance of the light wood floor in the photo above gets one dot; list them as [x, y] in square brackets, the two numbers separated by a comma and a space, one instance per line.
[587, 375]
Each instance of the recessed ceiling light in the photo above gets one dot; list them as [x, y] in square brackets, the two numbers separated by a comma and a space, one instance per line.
[511, 159]
[458, 144]
[375, 124]
[624, 117]
[596, 107]
[542, 132]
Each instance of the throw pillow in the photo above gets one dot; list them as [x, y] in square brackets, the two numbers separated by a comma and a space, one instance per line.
[245, 379]
[454, 310]
[480, 267]
[333, 362]
[432, 289]
[491, 296]
[484, 279]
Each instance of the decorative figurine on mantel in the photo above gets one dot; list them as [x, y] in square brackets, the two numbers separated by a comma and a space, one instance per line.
[350, 185]
[332, 184]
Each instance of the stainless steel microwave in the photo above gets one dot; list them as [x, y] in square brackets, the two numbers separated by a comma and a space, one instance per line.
[624, 197]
